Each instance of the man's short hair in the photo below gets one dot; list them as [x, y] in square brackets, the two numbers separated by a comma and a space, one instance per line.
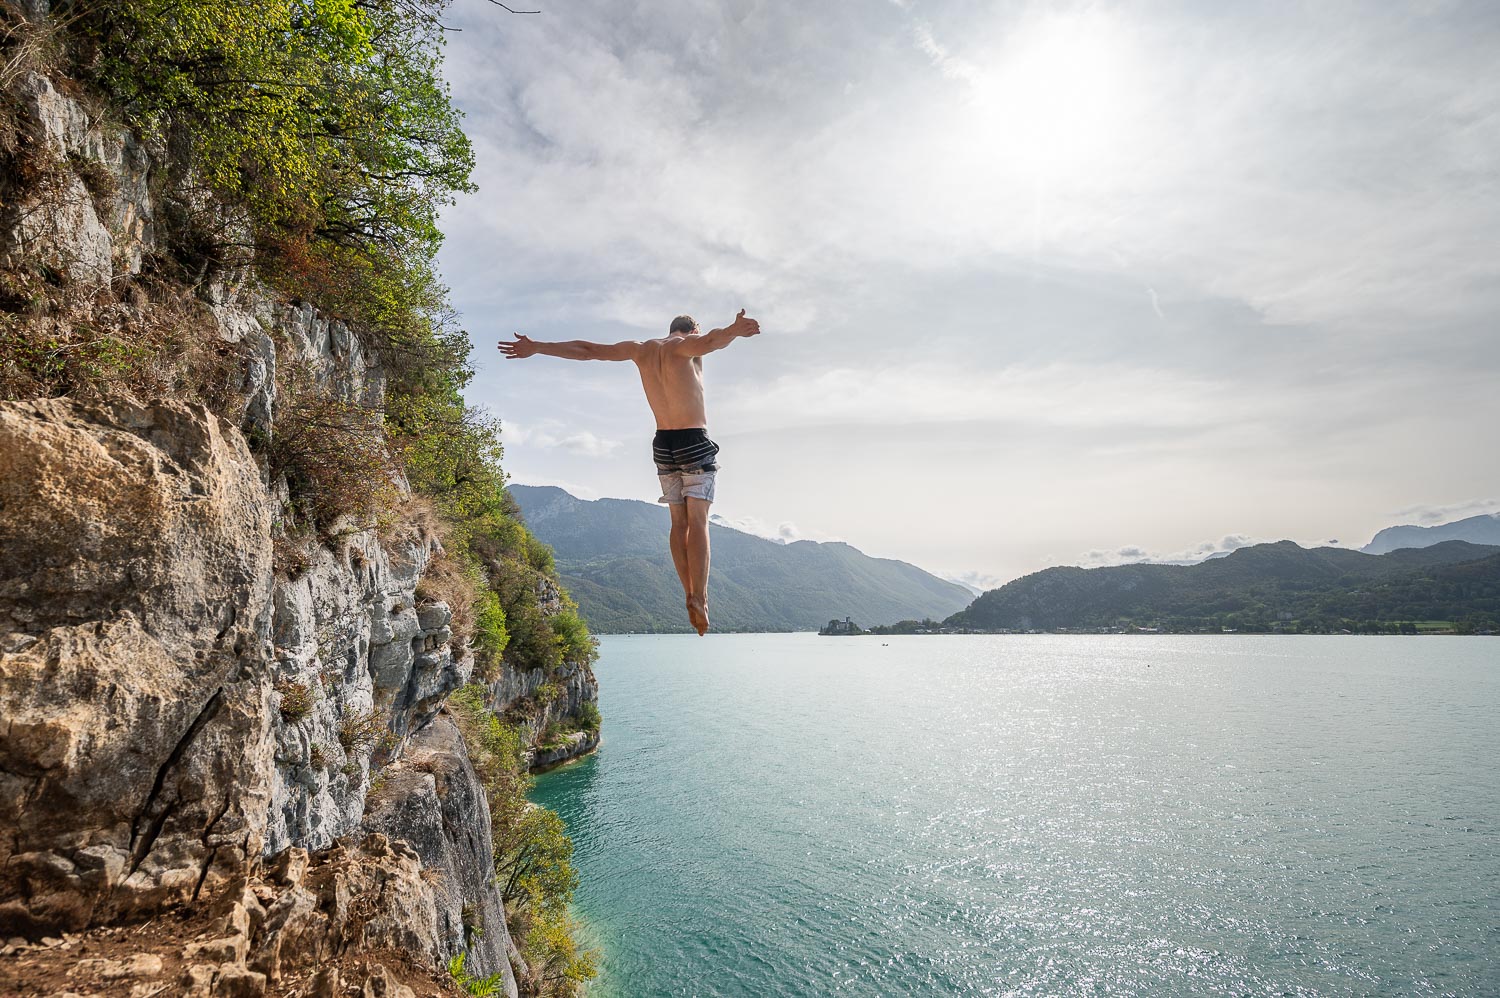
[682, 324]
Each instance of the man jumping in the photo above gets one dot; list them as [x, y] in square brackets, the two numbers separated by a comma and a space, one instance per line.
[672, 375]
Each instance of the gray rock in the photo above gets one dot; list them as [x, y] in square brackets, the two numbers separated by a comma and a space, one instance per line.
[144, 642]
[136, 549]
[435, 801]
[433, 616]
[63, 224]
[578, 743]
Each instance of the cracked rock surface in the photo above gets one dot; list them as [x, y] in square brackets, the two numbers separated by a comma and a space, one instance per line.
[135, 570]
[178, 722]
[354, 920]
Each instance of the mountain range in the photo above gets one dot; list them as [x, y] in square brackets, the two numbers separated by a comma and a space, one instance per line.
[1261, 587]
[1481, 529]
[612, 555]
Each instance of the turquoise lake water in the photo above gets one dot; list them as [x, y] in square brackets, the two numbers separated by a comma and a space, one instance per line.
[1041, 815]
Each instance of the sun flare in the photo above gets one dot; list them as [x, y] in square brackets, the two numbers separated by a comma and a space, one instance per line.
[1055, 98]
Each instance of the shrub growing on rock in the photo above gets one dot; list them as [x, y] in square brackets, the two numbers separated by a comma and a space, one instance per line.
[332, 452]
[358, 731]
[588, 716]
[295, 701]
[572, 635]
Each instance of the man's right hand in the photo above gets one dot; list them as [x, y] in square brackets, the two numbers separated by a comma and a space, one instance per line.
[522, 347]
[742, 326]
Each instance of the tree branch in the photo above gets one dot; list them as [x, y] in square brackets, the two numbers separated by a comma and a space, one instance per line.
[510, 10]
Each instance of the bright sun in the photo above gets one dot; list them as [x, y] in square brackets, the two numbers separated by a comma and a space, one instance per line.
[1055, 98]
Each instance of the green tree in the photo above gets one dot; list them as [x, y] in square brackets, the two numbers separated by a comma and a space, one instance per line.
[533, 862]
[561, 967]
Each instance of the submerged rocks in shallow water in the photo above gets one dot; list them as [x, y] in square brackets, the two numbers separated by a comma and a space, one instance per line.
[574, 745]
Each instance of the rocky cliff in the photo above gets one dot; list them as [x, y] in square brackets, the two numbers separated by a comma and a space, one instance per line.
[225, 761]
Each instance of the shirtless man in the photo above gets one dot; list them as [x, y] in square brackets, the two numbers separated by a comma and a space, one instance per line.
[672, 374]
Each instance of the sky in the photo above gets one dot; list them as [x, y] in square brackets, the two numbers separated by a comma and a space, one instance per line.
[1038, 283]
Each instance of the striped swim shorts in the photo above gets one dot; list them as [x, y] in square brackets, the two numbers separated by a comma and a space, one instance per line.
[685, 464]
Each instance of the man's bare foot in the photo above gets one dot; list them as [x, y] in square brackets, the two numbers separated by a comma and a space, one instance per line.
[697, 608]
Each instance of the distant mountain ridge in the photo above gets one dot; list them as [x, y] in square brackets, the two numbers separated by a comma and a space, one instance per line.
[612, 555]
[1261, 587]
[1481, 529]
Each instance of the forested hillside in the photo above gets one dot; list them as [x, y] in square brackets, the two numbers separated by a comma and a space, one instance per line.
[1265, 587]
[613, 556]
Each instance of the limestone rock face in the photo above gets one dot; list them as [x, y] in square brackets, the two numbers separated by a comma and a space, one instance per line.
[521, 687]
[348, 634]
[65, 225]
[147, 752]
[360, 918]
[434, 800]
[135, 577]
[174, 715]
[579, 686]
[575, 744]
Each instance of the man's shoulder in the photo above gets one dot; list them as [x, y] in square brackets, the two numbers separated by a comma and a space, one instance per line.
[666, 343]
[661, 346]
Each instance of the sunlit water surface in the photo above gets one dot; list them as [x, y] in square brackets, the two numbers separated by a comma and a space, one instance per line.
[1041, 815]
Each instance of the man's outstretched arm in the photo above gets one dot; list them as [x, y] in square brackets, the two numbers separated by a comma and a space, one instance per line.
[715, 339]
[525, 346]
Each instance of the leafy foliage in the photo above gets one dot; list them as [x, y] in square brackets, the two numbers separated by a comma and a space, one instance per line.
[558, 966]
[533, 855]
[498, 752]
[533, 862]
[479, 987]
[588, 716]
[326, 120]
[572, 635]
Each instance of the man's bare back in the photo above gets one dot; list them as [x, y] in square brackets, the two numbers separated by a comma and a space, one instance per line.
[673, 384]
[671, 370]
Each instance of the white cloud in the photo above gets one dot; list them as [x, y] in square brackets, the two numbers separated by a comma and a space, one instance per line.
[1431, 514]
[975, 582]
[549, 433]
[1134, 554]
[1070, 395]
[950, 65]
[784, 532]
[1347, 186]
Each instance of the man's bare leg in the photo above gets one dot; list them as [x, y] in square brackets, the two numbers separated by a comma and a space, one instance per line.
[697, 563]
[678, 542]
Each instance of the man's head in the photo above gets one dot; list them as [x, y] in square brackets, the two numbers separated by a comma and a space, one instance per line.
[682, 326]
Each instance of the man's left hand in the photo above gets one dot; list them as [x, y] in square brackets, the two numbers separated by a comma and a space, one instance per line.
[742, 326]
